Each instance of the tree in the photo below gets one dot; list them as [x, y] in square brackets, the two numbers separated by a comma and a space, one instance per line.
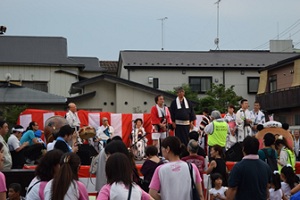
[219, 97]
[10, 113]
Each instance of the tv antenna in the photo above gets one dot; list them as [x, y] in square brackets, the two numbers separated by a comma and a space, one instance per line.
[162, 31]
[217, 40]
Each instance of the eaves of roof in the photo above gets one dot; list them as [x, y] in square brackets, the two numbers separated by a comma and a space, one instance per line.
[82, 96]
[76, 87]
[193, 59]
[281, 63]
[60, 64]
[13, 94]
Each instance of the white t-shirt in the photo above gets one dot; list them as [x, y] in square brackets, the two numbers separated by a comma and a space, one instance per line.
[13, 142]
[73, 193]
[35, 189]
[275, 195]
[286, 189]
[220, 191]
[50, 146]
[173, 180]
[118, 191]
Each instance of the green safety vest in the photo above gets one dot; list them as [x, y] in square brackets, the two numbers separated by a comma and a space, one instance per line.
[291, 159]
[219, 134]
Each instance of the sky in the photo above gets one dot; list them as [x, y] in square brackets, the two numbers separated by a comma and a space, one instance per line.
[103, 28]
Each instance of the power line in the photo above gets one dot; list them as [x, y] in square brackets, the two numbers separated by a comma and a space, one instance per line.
[284, 32]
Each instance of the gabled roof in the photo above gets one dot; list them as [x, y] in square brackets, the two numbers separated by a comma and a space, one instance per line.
[14, 94]
[76, 87]
[110, 66]
[200, 59]
[91, 64]
[281, 63]
[29, 50]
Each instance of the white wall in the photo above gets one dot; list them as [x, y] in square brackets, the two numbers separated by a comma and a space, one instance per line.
[58, 83]
[168, 79]
[105, 92]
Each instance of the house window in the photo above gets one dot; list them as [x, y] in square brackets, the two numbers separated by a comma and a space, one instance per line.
[297, 119]
[37, 85]
[253, 85]
[200, 84]
[280, 118]
[273, 83]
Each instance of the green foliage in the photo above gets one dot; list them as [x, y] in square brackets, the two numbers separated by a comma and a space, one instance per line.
[219, 97]
[10, 113]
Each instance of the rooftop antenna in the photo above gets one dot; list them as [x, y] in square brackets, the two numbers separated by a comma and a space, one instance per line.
[162, 31]
[2, 30]
[217, 40]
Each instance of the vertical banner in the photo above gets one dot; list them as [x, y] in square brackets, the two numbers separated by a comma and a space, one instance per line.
[25, 120]
[94, 119]
[116, 123]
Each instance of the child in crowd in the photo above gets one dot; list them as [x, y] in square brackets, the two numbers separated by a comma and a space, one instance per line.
[149, 166]
[275, 191]
[219, 191]
[14, 192]
[38, 135]
[288, 178]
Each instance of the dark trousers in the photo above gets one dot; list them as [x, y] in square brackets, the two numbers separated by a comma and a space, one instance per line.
[182, 132]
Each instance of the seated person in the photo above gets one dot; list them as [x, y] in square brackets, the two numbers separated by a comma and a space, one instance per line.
[34, 150]
[103, 133]
[138, 139]
[66, 135]
[38, 135]
[15, 147]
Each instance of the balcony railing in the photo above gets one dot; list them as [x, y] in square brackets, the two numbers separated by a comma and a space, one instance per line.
[279, 99]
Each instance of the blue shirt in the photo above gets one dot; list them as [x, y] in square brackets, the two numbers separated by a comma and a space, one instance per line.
[28, 136]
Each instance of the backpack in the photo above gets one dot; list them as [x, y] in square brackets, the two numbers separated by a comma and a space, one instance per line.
[271, 160]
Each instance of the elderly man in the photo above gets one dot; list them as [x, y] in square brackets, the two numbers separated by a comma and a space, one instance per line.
[7, 157]
[103, 133]
[217, 130]
[182, 115]
[72, 116]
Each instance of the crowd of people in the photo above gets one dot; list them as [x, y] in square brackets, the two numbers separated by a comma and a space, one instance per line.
[173, 167]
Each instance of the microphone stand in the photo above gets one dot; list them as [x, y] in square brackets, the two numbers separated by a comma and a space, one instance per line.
[139, 139]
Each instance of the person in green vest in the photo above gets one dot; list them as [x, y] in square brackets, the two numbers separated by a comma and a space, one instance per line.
[217, 131]
[286, 155]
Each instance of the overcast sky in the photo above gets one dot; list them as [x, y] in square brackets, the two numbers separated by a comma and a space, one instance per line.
[101, 28]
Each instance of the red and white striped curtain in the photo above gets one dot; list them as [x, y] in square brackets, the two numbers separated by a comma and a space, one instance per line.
[122, 123]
